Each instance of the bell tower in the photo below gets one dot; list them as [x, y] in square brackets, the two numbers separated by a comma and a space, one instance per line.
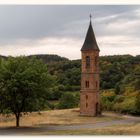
[89, 93]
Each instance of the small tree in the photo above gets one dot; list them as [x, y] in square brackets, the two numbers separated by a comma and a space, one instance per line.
[117, 89]
[23, 85]
[68, 100]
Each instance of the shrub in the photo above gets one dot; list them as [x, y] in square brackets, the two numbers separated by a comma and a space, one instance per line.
[68, 100]
[107, 99]
[137, 104]
[54, 93]
[108, 95]
[117, 89]
[106, 105]
[119, 99]
[72, 88]
[127, 106]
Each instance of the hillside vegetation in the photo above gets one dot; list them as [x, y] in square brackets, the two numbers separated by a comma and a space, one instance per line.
[119, 82]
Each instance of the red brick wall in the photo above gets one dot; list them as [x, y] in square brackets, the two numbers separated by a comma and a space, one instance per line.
[89, 96]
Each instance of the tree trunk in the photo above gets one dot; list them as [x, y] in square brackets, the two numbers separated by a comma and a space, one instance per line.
[17, 120]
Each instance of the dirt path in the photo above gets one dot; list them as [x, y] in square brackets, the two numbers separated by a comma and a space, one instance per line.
[89, 126]
[45, 127]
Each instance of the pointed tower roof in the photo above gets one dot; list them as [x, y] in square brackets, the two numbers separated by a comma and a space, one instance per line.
[90, 40]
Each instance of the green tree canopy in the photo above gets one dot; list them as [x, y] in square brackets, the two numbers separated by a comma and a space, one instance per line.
[23, 85]
[68, 100]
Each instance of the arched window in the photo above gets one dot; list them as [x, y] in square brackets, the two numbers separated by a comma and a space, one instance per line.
[96, 60]
[97, 108]
[86, 97]
[96, 84]
[87, 84]
[87, 61]
[86, 105]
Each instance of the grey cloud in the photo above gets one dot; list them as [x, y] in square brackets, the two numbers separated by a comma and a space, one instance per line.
[36, 22]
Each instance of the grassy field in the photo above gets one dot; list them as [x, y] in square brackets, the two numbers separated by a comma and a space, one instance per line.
[67, 116]
[70, 116]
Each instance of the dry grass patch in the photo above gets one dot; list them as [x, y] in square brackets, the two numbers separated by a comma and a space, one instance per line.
[66, 116]
[130, 129]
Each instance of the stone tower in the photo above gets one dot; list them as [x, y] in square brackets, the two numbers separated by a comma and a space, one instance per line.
[89, 93]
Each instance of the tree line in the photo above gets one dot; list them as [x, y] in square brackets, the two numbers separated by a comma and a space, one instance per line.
[119, 81]
[30, 83]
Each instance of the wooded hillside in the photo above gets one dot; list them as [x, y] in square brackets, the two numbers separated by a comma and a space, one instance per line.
[119, 82]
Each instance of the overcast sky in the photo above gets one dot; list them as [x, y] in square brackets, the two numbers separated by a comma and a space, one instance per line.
[61, 30]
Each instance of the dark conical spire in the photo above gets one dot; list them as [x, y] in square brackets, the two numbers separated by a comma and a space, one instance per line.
[90, 40]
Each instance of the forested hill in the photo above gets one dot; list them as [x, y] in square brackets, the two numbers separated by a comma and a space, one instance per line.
[4, 57]
[119, 80]
[46, 58]
[115, 71]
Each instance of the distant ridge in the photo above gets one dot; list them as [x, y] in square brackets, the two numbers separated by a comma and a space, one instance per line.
[4, 57]
[49, 58]
[46, 58]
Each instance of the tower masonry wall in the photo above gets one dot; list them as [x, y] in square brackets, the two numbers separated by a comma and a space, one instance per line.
[93, 68]
[89, 96]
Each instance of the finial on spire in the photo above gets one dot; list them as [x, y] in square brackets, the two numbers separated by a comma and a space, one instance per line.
[90, 17]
